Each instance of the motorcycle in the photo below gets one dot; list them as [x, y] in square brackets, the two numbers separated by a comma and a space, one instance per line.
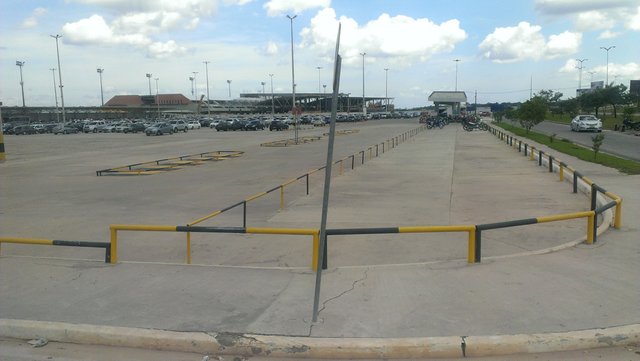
[470, 125]
[628, 123]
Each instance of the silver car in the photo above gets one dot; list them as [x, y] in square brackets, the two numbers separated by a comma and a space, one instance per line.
[583, 123]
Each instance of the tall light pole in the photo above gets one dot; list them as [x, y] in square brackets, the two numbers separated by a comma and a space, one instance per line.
[55, 93]
[191, 80]
[319, 103]
[324, 92]
[195, 85]
[386, 83]
[607, 50]
[591, 73]
[100, 70]
[457, 61]
[293, 82]
[263, 83]
[149, 77]
[157, 100]
[20, 64]
[229, 85]
[206, 71]
[273, 107]
[580, 71]
[64, 119]
[364, 105]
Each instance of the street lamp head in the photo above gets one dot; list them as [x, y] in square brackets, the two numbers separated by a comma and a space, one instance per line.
[191, 78]
[149, 75]
[292, 17]
[19, 63]
[228, 81]
[100, 70]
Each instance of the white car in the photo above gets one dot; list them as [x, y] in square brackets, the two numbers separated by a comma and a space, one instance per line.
[586, 123]
[193, 124]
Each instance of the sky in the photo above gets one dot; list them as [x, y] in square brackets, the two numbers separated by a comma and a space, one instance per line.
[504, 48]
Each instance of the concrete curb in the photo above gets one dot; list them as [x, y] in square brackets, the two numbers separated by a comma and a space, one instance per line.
[324, 348]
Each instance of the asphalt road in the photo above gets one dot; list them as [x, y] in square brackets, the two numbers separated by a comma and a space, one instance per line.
[621, 144]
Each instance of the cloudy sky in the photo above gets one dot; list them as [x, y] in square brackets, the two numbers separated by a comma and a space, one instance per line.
[502, 46]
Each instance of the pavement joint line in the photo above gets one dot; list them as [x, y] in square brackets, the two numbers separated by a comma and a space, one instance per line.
[221, 343]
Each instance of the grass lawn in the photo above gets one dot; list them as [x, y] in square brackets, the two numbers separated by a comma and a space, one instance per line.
[567, 147]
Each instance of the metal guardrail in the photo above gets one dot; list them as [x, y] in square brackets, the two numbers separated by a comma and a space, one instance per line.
[56, 242]
[474, 231]
[554, 163]
[168, 164]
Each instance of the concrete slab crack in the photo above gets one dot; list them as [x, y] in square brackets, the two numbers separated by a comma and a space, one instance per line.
[353, 286]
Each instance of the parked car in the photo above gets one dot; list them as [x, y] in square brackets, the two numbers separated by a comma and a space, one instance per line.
[133, 128]
[7, 128]
[254, 124]
[278, 125]
[179, 125]
[92, 127]
[223, 125]
[194, 124]
[586, 123]
[65, 129]
[23, 129]
[159, 129]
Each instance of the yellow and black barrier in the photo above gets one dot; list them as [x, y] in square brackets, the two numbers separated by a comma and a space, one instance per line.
[169, 164]
[591, 229]
[554, 163]
[57, 242]
[340, 162]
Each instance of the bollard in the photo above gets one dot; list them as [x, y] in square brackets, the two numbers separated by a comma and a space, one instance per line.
[575, 182]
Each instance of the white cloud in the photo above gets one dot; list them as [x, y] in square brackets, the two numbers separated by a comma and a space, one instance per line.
[271, 48]
[281, 7]
[634, 21]
[137, 23]
[387, 37]
[594, 20]
[565, 7]
[525, 41]
[32, 21]
[608, 34]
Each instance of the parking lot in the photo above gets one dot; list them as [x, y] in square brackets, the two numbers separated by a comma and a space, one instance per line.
[263, 283]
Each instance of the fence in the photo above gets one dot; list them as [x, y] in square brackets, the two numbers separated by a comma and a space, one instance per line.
[598, 206]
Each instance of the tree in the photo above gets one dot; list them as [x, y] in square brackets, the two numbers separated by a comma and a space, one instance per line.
[592, 100]
[532, 112]
[596, 141]
[615, 95]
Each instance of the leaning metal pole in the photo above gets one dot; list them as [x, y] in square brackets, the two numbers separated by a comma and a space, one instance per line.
[327, 177]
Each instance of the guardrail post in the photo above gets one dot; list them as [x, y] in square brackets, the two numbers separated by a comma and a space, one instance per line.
[307, 183]
[478, 256]
[525, 149]
[189, 247]
[326, 254]
[540, 153]
[353, 161]
[591, 228]
[550, 164]
[471, 257]
[520, 147]
[114, 245]
[532, 153]
[561, 171]
[362, 157]
[383, 147]
[314, 257]
[594, 196]
[244, 214]
[281, 197]
[575, 182]
[618, 217]
[377, 150]
[341, 167]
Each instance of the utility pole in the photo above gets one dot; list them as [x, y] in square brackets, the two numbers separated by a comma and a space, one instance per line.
[580, 71]
[21, 64]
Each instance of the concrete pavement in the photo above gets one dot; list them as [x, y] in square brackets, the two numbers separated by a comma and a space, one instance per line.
[382, 287]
